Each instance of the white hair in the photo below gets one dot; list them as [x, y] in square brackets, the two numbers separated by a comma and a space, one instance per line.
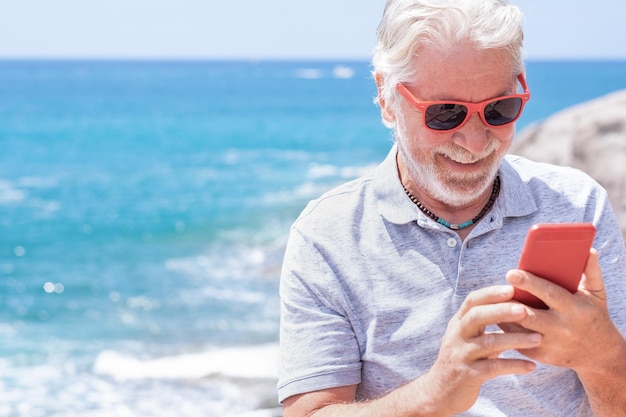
[408, 25]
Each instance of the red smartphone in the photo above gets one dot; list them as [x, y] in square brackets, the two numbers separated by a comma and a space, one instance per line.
[557, 252]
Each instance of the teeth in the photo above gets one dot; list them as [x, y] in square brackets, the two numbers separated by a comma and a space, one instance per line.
[464, 162]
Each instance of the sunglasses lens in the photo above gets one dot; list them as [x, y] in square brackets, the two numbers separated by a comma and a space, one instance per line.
[501, 112]
[445, 116]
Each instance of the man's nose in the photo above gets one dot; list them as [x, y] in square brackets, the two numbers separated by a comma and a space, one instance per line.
[474, 135]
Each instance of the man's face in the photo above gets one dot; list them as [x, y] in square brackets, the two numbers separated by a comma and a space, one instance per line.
[454, 168]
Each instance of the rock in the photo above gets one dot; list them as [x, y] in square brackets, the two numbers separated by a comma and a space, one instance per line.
[590, 136]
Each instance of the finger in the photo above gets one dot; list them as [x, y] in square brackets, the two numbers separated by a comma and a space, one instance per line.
[592, 277]
[488, 295]
[475, 320]
[513, 328]
[553, 295]
[490, 344]
[493, 368]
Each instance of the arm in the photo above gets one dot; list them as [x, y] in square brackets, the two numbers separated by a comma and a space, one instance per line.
[468, 357]
[606, 381]
[579, 334]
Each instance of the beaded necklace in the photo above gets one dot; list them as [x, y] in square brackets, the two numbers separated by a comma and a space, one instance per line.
[492, 199]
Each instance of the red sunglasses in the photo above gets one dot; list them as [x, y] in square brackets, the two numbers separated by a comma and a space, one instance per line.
[452, 115]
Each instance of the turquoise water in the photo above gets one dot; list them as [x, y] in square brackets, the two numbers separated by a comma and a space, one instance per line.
[144, 208]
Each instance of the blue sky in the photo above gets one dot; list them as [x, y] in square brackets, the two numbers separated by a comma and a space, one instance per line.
[271, 29]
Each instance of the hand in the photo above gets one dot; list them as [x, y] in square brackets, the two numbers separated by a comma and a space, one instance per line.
[577, 327]
[469, 356]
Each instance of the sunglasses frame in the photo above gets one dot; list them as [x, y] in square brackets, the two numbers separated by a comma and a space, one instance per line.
[472, 108]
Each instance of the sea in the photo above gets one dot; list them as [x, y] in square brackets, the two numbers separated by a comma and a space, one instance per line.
[144, 211]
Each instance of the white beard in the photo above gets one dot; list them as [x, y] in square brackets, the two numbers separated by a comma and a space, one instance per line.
[453, 189]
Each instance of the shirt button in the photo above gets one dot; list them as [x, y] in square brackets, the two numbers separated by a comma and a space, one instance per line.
[452, 242]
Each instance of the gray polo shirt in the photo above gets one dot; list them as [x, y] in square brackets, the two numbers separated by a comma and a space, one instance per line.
[369, 284]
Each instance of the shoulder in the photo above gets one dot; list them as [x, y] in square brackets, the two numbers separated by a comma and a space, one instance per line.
[541, 177]
[528, 169]
[335, 207]
[550, 193]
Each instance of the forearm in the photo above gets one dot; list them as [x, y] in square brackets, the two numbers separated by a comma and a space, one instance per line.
[468, 357]
[411, 400]
[605, 385]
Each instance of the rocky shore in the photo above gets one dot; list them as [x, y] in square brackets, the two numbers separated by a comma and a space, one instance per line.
[590, 136]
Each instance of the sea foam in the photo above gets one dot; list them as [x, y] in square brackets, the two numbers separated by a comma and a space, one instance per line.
[255, 362]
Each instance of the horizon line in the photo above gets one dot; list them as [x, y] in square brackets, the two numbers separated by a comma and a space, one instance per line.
[330, 59]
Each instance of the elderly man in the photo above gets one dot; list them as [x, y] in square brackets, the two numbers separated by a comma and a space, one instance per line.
[397, 288]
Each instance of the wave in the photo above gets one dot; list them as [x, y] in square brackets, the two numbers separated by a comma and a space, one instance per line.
[38, 182]
[7, 331]
[319, 178]
[121, 385]
[10, 194]
[309, 73]
[16, 192]
[341, 72]
[255, 362]
[230, 260]
[316, 171]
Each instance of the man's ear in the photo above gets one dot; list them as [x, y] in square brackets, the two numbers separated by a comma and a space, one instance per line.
[385, 110]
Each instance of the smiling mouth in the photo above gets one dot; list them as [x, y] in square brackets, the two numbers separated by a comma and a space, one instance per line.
[471, 162]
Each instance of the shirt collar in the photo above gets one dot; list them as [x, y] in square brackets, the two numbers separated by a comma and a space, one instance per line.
[393, 203]
[515, 200]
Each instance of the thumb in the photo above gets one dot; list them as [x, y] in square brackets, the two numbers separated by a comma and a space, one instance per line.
[591, 281]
